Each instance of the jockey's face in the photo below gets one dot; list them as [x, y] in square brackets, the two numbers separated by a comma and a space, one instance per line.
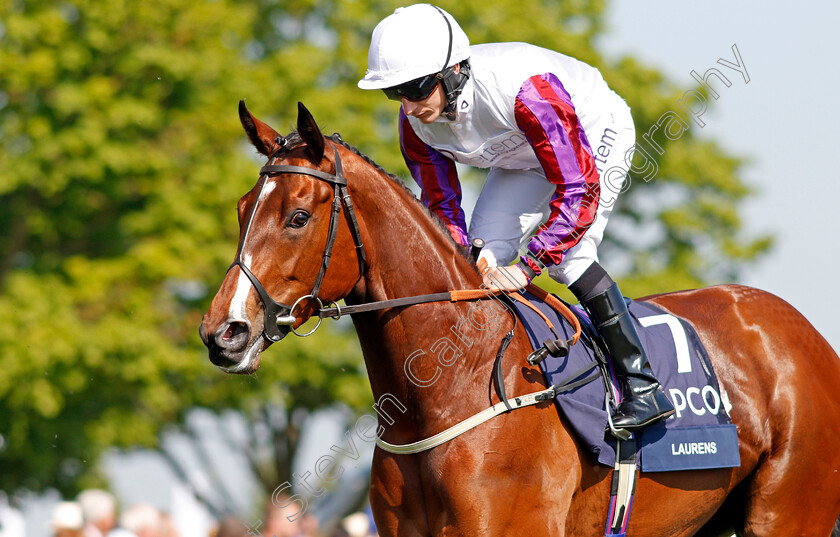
[428, 109]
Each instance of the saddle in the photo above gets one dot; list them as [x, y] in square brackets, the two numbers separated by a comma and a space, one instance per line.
[701, 432]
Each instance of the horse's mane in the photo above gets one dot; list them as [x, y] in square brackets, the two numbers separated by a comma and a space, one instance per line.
[293, 140]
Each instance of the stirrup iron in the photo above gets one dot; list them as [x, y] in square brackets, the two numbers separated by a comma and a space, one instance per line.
[621, 434]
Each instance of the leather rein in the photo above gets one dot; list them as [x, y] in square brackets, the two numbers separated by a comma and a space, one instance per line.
[280, 318]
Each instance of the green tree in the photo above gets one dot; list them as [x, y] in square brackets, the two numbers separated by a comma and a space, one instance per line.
[122, 162]
[123, 159]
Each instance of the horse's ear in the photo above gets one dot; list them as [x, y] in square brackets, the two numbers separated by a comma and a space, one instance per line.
[262, 136]
[310, 133]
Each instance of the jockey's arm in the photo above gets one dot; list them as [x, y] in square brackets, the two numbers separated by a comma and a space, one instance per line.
[547, 117]
[438, 179]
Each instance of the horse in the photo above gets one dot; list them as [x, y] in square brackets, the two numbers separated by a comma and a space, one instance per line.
[523, 472]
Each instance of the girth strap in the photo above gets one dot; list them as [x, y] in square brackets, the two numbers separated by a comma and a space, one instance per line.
[464, 426]
[513, 403]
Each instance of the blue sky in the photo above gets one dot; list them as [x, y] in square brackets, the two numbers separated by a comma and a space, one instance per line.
[784, 121]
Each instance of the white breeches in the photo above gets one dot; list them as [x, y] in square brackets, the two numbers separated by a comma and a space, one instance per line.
[513, 203]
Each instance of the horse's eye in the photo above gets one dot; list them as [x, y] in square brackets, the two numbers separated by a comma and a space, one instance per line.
[299, 219]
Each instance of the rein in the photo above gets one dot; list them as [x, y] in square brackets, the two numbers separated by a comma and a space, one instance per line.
[279, 315]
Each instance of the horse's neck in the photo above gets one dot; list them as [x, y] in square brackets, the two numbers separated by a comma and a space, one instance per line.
[411, 253]
[408, 255]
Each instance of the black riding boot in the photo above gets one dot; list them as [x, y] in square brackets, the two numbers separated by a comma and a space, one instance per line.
[643, 401]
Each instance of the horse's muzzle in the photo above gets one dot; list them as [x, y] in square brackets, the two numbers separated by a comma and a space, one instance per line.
[228, 344]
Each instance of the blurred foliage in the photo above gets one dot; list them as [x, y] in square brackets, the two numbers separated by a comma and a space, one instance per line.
[122, 160]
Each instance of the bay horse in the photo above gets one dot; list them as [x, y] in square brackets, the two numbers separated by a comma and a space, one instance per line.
[522, 473]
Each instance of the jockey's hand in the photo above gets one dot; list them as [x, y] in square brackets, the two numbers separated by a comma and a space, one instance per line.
[509, 278]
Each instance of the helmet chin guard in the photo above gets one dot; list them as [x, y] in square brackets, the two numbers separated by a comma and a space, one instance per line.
[453, 83]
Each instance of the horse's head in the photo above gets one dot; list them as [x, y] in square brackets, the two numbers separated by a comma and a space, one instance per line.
[290, 230]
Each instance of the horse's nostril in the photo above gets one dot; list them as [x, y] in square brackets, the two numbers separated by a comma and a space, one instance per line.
[229, 332]
[233, 335]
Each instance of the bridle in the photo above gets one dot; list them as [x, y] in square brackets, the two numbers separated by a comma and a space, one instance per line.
[279, 317]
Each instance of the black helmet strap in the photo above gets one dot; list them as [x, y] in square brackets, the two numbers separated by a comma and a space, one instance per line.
[449, 49]
[452, 82]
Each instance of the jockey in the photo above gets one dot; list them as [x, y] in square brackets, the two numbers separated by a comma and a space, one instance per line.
[555, 138]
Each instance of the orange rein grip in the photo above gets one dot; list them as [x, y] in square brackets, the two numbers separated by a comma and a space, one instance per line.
[521, 299]
[478, 294]
[471, 294]
[558, 306]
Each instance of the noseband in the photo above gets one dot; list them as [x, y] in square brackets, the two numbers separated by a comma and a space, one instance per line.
[280, 317]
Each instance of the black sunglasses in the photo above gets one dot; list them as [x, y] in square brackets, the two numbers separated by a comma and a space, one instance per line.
[414, 90]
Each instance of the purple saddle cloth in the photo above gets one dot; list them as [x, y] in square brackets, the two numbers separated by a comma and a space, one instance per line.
[700, 435]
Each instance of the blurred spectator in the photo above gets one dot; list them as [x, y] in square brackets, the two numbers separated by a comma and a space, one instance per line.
[67, 520]
[120, 532]
[309, 526]
[277, 523]
[230, 526]
[143, 521]
[99, 509]
[357, 525]
[12, 523]
[167, 526]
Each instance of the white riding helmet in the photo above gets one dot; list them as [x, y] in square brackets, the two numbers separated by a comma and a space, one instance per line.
[413, 42]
